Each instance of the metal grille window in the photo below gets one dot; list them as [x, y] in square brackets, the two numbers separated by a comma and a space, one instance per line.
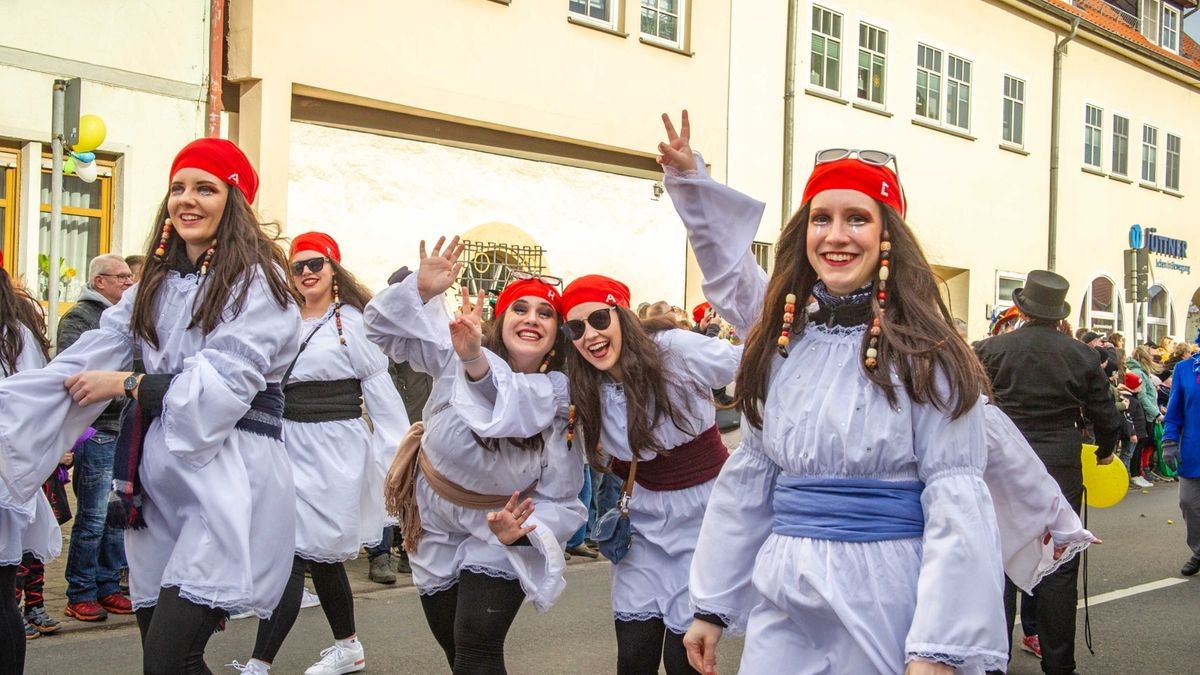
[1171, 180]
[826, 48]
[1014, 110]
[1120, 151]
[1092, 124]
[661, 19]
[600, 11]
[958, 92]
[929, 81]
[1149, 154]
[872, 62]
[488, 266]
[762, 254]
[1170, 28]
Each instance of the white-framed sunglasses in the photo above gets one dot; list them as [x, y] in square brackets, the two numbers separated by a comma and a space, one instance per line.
[872, 157]
[547, 279]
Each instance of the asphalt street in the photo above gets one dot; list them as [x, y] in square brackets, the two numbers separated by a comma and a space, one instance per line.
[1143, 617]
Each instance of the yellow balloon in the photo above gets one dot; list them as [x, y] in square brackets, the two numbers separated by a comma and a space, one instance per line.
[1106, 484]
[91, 133]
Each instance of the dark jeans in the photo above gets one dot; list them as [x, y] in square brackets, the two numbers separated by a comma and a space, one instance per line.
[1057, 595]
[385, 544]
[585, 496]
[97, 552]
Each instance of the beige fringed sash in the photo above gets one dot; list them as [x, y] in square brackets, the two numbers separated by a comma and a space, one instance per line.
[400, 489]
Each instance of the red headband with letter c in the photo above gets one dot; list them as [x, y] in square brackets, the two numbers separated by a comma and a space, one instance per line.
[876, 182]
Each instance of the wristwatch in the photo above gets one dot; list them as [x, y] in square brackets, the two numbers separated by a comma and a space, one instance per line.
[130, 384]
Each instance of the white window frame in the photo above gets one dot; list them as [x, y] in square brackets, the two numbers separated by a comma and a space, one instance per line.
[930, 76]
[872, 54]
[958, 86]
[1149, 155]
[1003, 302]
[1012, 129]
[1167, 323]
[1088, 317]
[764, 254]
[1170, 36]
[681, 8]
[818, 31]
[1119, 141]
[1093, 135]
[1149, 15]
[1168, 170]
[610, 23]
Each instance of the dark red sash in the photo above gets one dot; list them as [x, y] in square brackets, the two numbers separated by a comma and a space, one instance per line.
[693, 463]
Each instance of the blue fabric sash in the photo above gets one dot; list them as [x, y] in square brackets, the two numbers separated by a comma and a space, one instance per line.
[848, 509]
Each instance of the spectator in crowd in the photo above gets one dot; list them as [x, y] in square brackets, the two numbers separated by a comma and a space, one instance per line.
[136, 263]
[1092, 339]
[97, 552]
[31, 576]
[1137, 434]
[1181, 451]
[642, 309]
[1117, 340]
[660, 308]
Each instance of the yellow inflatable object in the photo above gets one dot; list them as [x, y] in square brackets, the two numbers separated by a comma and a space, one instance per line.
[1106, 484]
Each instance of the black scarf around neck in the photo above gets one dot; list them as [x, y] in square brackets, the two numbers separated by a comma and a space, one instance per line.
[849, 310]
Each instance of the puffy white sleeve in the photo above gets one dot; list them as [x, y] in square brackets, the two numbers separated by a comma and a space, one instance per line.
[505, 404]
[389, 418]
[214, 390]
[1028, 504]
[959, 618]
[39, 420]
[736, 523]
[710, 361]
[407, 329]
[721, 225]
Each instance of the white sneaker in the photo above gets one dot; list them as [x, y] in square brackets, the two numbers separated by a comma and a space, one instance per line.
[1142, 482]
[338, 659]
[309, 599]
[255, 667]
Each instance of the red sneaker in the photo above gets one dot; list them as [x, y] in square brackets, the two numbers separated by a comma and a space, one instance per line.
[1032, 644]
[88, 610]
[117, 603]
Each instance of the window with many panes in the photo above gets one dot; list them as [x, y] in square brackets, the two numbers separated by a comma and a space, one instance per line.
[1150, 10]
[8, 209]
[1092, 125]
[662, 21]
[1149, 154]
[762, 254]
[958, 92]
[598, 11]
[1120, 151]
[1171, 177]
[1170, 28]
[872, 63]
[929, 81]
[826, 49]
[1014, 110]
[86, 230]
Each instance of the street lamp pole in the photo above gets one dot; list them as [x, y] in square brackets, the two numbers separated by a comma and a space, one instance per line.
[57, 128]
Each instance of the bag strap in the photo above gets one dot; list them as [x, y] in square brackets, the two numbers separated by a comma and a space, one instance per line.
[627, 492]
[288, 373]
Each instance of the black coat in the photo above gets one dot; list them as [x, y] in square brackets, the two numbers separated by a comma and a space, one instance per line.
[1045, 381]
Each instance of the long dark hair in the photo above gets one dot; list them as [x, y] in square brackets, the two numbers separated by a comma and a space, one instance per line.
[18, 308]
[493, 341]
[647, 384]
[242, 244]
[917, 342]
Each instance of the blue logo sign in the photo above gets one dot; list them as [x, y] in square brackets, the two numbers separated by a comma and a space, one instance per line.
[1136, 238]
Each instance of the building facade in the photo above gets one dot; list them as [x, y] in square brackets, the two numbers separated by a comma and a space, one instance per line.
[963, 94]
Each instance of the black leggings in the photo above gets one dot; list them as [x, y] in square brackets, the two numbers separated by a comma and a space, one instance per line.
[471, 620]
[174, 634]
[642, 644]
[333, 587]
[12, 627]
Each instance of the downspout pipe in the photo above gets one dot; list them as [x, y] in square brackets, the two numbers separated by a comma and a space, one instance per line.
[216, 61]
[789, 111]
[1060, 49]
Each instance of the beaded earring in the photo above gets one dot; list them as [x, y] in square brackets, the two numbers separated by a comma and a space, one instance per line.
[546, 361]
[871, 356]
[337, 310]
[207, 262]
[161, 250]
[570, 424]
[785, 333]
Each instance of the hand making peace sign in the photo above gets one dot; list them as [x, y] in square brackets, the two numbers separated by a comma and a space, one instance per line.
[677, 151]
[440, 269]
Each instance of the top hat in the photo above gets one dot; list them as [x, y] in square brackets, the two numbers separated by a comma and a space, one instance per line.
[1044, 296]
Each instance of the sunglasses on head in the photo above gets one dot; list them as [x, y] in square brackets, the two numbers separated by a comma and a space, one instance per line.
[872, 157]
[599, 319]
[314, 265]
[522, 275]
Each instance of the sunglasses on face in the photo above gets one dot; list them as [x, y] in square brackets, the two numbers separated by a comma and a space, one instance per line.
[872, 157]
[314, 265]
[522, 275]
[599, 319]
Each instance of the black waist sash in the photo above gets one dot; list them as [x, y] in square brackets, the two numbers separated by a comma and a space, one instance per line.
[322, 401]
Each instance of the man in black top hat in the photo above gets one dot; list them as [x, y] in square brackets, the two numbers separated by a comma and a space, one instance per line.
[1043, 379]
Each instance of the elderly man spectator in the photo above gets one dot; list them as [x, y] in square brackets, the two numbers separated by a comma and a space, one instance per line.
[97, 552]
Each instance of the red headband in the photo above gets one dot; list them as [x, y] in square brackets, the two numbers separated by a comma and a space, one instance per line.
[222, 159]
[319, 242]
[595, 288]
[876, 182]
[524, 287]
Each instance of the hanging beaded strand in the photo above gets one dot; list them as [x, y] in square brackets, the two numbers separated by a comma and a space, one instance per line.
[160, 251]
[785, 333]
[206, 262]
[337, 309]
[570, 425]
[546, 361]
[871, 357]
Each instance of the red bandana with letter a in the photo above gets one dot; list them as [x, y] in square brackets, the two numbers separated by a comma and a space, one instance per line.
[595, 288]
